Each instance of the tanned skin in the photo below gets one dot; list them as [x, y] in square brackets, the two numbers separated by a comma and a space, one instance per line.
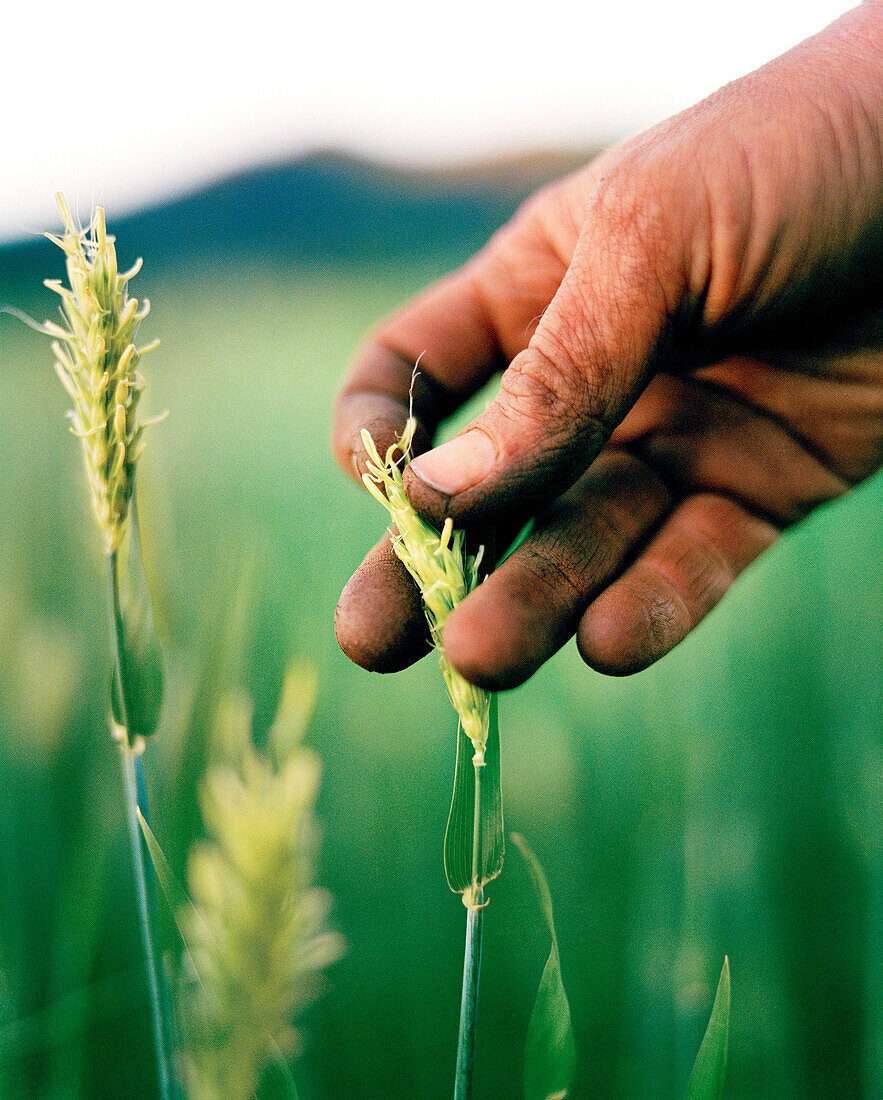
[690, 330]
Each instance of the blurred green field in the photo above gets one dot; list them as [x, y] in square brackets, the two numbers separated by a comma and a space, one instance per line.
[727, 801]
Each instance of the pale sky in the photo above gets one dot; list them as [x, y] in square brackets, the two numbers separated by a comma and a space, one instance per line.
[123, 103]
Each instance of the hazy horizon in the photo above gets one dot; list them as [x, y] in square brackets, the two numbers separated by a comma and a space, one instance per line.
[139, 104]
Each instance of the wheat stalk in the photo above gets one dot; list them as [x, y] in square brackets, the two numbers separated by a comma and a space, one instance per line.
[96, 359]
[444, 574]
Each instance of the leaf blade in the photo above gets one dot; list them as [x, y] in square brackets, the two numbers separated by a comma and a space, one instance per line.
[174, 892]
[458, 834]
[710, 1068]
[276, 1081]
[550, 1048]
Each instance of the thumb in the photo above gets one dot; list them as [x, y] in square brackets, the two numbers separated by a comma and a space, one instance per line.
[559, 400]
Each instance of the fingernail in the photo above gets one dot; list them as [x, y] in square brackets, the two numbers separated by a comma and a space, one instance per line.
[458, 465]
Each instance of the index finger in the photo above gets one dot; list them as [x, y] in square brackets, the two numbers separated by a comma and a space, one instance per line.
[448, 332]
[462, 330]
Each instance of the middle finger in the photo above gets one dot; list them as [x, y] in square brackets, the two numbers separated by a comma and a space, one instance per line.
[529, 606]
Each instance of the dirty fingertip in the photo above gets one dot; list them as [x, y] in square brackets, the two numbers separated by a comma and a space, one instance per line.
[379, 622]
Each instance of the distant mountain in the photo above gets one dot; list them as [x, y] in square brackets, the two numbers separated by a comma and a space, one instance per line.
[322, 206]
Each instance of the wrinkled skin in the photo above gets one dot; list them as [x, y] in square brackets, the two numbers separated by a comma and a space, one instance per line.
[691, 333]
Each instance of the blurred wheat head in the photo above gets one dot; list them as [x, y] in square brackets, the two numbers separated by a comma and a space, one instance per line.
[256, 926]
[444, 573]
[96, 359]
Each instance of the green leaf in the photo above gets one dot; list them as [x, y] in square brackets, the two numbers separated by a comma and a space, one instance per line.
[174, 892]
[276, 1082]
[550, 1050]
[710, 1068]
[176, 896]
[458, 834]
[138, 679]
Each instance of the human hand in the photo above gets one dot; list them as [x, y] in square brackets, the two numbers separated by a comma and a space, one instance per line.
[691, 333]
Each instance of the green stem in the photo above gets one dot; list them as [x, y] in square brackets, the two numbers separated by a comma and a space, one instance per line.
[131, 766]
[472, 959]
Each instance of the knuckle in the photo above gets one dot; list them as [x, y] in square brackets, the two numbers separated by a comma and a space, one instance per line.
[519, 271]
[553, 577]
[658, 611]
[584, 548]
[545, 385]
[641, 213]
[700, 573]
[633, 202]
[604, 544]
[580, 541]
[531, 216]
[664, 619]
[528, 230]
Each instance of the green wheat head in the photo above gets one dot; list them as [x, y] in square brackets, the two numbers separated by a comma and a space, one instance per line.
[97, 360]
[444, 573]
